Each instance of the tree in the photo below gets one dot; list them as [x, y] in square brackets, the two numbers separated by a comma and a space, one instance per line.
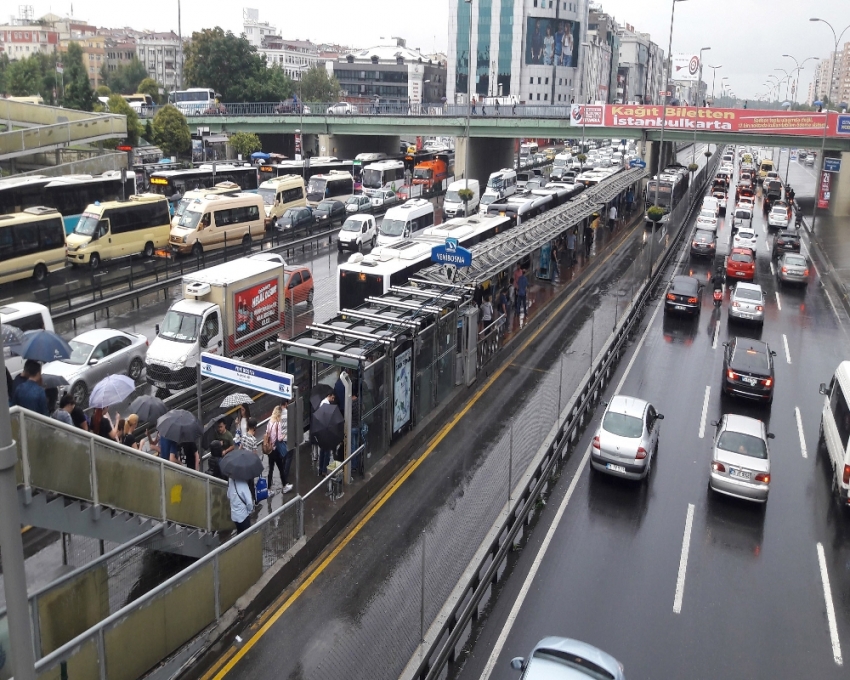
[148, 132]
[24, 78]
[117, 104]
[317, 86]
[126, 78]
[4, 72]
[78, 91]
[102, 91]
[151, 87]
[245, 143]
[171, 131]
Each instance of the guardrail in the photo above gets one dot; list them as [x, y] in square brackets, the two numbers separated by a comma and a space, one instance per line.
[555, 449]
[34, 139]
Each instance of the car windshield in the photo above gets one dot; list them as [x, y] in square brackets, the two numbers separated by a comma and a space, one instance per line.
[743, 444]
[452, 197]
[707, 214]
[745, 234]
[87, 225]
[703, 235]
[487, 199]
[392, 227]
[747, 293]
[267, 195]
[180, 208]
[80, 352]
[742, 215]
[325, 206]
[622, 425]
[780, 211]
[795, 260]
[190, 219]
[741, 257]
[353, 200]
[352, 225]
[180, 326]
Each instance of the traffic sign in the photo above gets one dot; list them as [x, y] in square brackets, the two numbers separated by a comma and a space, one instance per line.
[247, 375]
[832, 165]
[451, 253]
[637, 163]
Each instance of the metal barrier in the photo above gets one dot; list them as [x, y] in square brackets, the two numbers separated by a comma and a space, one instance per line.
[132, 640]
[61, 459]
[490, 340]
[34, 139]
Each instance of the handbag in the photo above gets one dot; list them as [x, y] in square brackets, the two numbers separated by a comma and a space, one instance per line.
[267, 445]
[262, 489]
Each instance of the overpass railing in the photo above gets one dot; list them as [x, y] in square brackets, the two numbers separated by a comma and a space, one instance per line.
[34, 139]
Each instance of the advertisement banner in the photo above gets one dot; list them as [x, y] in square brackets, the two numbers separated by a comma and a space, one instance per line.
[686, 67]
[689, 118]
[552, 42]
[824, 190]
[402, 389]
[256, 308]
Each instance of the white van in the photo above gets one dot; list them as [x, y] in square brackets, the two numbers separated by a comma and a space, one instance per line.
[502, 183]
[453, 206]
[835, 428]
[26, 316]
[281, 193]
[405, 220]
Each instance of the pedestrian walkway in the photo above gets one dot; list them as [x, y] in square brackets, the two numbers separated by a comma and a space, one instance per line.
[831, 247]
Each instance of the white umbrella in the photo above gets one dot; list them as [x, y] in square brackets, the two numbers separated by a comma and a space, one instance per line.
[236, 399]
[113, 389]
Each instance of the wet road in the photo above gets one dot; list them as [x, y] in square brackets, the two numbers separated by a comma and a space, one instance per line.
[749, 582]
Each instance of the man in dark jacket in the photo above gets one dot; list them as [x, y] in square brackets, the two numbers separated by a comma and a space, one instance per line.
[30, 394]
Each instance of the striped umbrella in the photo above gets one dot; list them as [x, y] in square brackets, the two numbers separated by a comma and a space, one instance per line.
[236, 399]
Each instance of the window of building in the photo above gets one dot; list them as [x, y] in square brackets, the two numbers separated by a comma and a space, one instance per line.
[538, 80]
[538, 96]
[535, 3]
[531, 81]
[546, 97]
[547, 81]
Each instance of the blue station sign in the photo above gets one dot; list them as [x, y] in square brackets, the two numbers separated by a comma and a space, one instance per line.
[451, 253]
[637, 163]
[246, 375]
[832, 165]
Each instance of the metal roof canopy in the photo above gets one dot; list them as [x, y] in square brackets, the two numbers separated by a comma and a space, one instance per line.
[495, 254]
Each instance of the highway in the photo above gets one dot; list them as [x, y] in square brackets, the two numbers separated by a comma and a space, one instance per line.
[670, 579]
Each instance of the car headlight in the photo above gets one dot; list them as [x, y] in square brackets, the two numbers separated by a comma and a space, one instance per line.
[182, 360]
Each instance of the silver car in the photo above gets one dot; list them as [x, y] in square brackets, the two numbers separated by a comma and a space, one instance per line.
[97, 354]
[558, 657]
[747, 302]
[627, 439]
[740, 462]
[793, 268]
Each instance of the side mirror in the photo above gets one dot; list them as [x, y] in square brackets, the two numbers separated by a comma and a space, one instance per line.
[660, 416]
[770, 435]
[517, 663]
[725, 344]
[205, 340]
[772, 353]
[715, 423]
[93, 362]
[822, 389]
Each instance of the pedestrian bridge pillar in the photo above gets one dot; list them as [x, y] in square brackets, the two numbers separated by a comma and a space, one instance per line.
[348, 146]
[839, 200]
[652, 156]
[486, 155]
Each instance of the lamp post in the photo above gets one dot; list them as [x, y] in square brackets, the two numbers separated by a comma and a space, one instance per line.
[468, 98]
[699, 82]
[837, 39]
[798, 67]
[786, 79]
[714, 79]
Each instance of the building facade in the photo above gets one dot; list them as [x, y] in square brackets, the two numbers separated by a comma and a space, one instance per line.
[162, 56]
[20, 42]
[525, 50]
[640, 68]
[602, 59]
[94, 55]
[294, 57]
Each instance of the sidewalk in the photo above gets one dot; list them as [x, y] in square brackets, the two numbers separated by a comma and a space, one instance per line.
[831, 246]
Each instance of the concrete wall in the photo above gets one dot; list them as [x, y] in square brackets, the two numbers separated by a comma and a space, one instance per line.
[668, 157]
[348, 146]
[839, 202]
[486, 155]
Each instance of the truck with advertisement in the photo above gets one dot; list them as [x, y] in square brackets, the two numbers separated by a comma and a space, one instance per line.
[231, 310]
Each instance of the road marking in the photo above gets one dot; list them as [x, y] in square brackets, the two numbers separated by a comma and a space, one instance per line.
[683, 561]
[26, 529]
[772, 270]
[716, 334]
[787, 351]
[704, 411]
[778, 302]
[800, 430]
[226, 664]
[830, 608]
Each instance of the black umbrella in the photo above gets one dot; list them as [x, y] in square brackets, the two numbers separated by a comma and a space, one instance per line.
[179, 426]
[48, 380]
[241, 465]
[148, 408]
[327, 427]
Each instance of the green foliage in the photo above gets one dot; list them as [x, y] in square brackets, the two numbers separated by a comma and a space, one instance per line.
[582, 157]
[245, 143]
[317, 86]
[693, 167]
[232, 67]
[117, 104]
[25, 78]
[4, 71]
[707, 154]
[465, 195]
[126, 78]
[102, 91]
[151, 87]
[655, 213]
[78, 91]
[148, 132]
[171, 131]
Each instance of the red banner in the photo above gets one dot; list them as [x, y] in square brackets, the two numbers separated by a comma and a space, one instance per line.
[691, 118]
[256, 308]
[824, 190]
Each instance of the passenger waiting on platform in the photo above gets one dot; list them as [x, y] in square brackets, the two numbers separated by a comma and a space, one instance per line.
[128, 437]
[101, 424]
[486, 310]
[325, 454]
[242, 424]
[191, 459]
[522, 293]
[226, 439]
[150, 442]
[571, 247]
[279, 456]
[63, 413]
[241, 504]
[30, 394]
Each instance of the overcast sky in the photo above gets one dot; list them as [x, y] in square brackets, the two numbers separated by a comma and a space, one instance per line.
[748, 38]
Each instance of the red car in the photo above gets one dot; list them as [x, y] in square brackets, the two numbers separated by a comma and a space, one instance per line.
[741, 264]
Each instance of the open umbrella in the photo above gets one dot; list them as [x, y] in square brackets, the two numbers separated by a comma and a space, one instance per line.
[327, 427]
[179, 426]
[236, 399]
[45, 346]
[113, 389]
[13, 337]
[148, 408]
[241, 465]
[48, 380]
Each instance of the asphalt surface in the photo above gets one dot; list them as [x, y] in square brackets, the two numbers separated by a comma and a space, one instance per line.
[748, 580]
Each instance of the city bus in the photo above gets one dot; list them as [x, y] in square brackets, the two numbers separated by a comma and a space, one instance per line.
[170, 182]
[336, 184]
[372, 275]
[318, 165]
[361, 160]
[194, 101]
[376, 176]
[69, 194]
[32, 243]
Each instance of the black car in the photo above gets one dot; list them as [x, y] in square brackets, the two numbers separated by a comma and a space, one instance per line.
[684, 296]
[329, 211]
[748, 369]
[296, 219]
[704, 243]
[772, 188]
[786, 241]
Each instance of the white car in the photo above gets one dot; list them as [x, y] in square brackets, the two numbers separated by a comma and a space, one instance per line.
[357, 231]
[746, 301]
[342, 108]
[778, 217]
[711, 203]
[707, 219]
[745, 238]
[384, 198]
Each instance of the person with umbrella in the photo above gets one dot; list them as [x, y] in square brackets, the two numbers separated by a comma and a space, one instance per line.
[101, 424]
[30, 394]
[239, 467]
[325, 445]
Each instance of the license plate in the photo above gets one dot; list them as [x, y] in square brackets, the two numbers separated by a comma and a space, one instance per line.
[739, 273]
[615, 468]
[680, 308]
[740, 474]
[749, 381]
[159, 384]
[744, 315]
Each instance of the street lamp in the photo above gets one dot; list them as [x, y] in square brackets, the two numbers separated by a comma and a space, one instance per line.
[714, 79]
[787, 79]
[699, 82]
[837, 39]
[468, 99]
[799, 67]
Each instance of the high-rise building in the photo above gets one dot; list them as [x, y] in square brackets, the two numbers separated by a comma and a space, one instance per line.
[602, 54]
[528, 50]
[255, 30]
[640, 71]
[161, 54]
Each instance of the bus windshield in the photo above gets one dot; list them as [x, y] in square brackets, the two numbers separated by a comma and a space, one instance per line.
[192, 96]
[180, 208]
[87, 226]
[423, 173]
[496, 183]
[267, 195]
[180, 326]
[189, 219]
[393, 227]
[373, 179]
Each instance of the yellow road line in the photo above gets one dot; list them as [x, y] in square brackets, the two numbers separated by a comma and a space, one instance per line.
[379, 503]
[25, 529]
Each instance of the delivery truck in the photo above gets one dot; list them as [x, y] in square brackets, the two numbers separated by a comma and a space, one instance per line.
[231, 309]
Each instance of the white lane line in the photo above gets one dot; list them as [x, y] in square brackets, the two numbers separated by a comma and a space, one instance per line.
[683, 561]
[716, 333]
[800, 430]
[772, 270]
[538, 560]
[830, 608]
[778, 302]
[787, 351]
[704, 411]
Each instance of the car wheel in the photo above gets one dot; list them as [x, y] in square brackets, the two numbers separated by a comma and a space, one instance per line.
[94, 261]
[360, 246]
[79, 392]
[40, 273]
[135, 370]
[310, 298]
[274, 223]
[148, 251]
[374, 241]
[197, 249]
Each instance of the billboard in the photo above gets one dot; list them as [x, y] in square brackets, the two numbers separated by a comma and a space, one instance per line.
[824, 190]
[552, 42]
[686, 67]
[256, 308]
[402, 389]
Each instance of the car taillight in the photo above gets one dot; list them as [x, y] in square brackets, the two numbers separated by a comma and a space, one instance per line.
[805, 272]
[847, 474]
[692, 300]
[759, 308]
[718, 467]
[670, 296]
[731, 374]
[696, 243]
[768, 382]
[763, 477]
[641, 453]
[596, 442]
